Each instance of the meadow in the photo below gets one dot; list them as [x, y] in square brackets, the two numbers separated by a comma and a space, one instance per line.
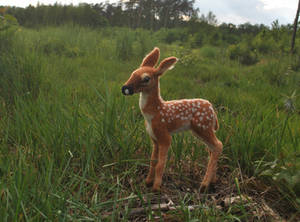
[74, 148]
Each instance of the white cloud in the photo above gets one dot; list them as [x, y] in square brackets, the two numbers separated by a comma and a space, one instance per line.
[279, 4]
[233, 18]
[253, 11]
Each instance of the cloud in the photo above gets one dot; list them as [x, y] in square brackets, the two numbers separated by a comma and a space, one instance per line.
[253, 11]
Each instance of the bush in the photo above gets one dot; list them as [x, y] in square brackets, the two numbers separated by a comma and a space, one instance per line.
[8, 27]
[53, 46]
[243, 53]
[209, 51]
[59, 47]
[124, 47]
[264, 43]
[170, 36]
[145, 43]
[197, 40]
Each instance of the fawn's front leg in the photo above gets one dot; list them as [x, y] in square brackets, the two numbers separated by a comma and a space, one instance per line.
[163, 146]
[153, 162]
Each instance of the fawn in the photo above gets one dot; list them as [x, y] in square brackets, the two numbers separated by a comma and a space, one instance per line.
[163, 118]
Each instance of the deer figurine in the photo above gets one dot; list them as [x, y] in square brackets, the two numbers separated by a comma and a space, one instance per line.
[163, 118]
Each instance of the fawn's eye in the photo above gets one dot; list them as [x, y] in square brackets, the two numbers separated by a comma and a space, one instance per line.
[146, 79]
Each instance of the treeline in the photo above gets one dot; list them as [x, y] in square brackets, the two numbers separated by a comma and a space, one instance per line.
[172, 21]
[147, 14]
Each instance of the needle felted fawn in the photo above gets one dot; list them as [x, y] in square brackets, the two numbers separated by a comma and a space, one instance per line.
[163, 118]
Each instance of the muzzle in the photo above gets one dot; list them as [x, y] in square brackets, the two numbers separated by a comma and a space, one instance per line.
[127, 90]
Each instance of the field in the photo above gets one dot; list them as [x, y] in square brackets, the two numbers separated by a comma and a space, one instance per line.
[74, 148]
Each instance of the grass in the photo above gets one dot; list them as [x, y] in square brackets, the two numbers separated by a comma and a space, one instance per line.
[73, 148]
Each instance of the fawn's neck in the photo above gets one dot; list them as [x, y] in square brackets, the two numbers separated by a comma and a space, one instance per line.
[150, 100]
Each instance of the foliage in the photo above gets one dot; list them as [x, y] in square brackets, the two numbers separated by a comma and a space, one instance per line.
[243, 53]
[124, 48]
[8, 27]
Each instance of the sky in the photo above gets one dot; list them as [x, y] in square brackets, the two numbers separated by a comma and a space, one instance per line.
[229, 11]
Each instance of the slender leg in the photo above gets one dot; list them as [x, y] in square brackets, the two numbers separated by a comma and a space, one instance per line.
[214, 147]
[214, 176]
[215, 150]
[163, 147]
[153, 162]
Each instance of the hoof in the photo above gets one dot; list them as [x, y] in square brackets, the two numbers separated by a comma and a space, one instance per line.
[155, 189]
[204, 188]
[207, 188]
[148, 183]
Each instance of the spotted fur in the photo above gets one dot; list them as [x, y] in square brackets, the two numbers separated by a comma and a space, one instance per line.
[164, 118]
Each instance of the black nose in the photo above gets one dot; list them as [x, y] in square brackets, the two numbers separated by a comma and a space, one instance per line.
[127, 90]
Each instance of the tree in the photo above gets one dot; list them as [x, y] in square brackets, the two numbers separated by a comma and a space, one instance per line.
[295, 28]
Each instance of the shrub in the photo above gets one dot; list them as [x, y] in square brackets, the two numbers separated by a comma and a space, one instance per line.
[59, 47]
[197, 40]
[264, 43]
[54, 46]
[172, 35]
[8, 27]
[124, 47]
[243, 53]
[209, 51]
[144, 40]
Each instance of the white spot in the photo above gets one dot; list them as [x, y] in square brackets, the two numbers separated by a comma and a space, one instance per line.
[163, 120]
[198, 114]
[199, 124]
[201, 118]
[126, 91]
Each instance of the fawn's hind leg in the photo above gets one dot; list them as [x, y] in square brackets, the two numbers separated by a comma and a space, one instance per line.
[214, 176]
[215, 147]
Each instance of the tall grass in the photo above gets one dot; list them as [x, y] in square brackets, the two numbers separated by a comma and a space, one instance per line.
[72, 148]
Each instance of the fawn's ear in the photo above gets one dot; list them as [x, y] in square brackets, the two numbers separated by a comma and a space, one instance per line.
[152, 58]
[166, 64]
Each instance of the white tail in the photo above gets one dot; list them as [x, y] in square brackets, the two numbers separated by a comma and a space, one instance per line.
[163, 118]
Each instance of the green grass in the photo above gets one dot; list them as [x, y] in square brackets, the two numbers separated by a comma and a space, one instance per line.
[73, 148]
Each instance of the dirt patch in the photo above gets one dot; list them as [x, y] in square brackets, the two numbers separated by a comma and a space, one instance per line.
[233, 193]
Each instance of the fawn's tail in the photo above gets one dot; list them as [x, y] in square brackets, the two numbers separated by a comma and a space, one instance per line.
[216, 123]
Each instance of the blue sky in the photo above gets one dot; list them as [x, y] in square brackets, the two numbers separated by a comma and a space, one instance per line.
[234, 11]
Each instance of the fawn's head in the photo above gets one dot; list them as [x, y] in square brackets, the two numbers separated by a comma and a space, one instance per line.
[146, 76]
